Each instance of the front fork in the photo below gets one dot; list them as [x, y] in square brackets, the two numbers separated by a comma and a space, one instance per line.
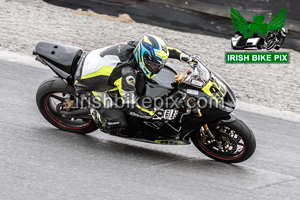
[209, 133]
[231, 118]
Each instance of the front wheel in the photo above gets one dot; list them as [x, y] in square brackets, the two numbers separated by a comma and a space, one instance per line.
[235, 142]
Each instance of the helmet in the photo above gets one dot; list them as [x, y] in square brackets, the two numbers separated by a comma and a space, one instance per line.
[151, 54]
[284, 31]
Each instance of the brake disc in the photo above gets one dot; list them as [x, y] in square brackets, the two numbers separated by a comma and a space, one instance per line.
[228, 140]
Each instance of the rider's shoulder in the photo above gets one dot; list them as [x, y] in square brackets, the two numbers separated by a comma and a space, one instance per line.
[126, 69]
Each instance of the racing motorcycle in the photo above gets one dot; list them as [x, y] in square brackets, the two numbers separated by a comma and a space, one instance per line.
[203, 101]
[275, 39]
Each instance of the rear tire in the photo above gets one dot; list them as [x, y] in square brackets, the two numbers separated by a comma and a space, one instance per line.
[245, 136]
[48, 89]
[271, 45]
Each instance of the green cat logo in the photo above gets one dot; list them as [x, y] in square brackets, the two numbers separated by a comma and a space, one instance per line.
[258, 27]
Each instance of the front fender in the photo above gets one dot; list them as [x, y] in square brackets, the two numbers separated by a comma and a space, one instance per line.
[227, 119]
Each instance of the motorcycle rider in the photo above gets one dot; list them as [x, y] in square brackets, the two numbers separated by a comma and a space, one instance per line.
[115, 68]
[275, 38]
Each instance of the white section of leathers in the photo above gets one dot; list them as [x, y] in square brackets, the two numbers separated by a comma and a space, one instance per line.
[94, 62]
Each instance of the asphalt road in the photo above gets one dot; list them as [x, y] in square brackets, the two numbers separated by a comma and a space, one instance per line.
[38, 161]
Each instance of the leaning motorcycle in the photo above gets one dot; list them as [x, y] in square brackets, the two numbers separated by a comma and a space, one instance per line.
[204, 102]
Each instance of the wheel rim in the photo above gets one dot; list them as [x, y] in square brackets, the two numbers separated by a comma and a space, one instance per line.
[51, 105]
[271, 44]
[233, 145]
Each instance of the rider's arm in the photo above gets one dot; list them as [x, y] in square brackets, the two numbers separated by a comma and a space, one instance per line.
[127, 91]
[126, 87]
[174, 53]
[178, 54]
[182, 56]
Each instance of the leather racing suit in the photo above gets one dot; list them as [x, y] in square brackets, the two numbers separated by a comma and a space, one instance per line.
[113, 69]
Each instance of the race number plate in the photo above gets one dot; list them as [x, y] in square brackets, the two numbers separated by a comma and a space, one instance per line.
[215, 89]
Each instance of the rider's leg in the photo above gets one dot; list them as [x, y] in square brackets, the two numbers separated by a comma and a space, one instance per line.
[108, 118]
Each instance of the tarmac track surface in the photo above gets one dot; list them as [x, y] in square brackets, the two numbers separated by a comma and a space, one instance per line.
[38, 161]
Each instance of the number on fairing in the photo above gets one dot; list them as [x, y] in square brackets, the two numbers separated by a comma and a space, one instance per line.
[215, 89]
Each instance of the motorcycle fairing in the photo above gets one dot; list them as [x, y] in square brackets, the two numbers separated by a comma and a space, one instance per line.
[161, 83]
[215, 89]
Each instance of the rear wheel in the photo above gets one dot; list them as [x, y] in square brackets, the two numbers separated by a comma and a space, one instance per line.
[51, 99]
[235, 142]
[271, 44]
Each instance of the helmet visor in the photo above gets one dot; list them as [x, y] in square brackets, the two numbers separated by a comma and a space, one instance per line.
[154, 67]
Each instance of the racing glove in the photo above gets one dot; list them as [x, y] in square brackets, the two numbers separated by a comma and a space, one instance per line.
[191, 59]
[179, 78]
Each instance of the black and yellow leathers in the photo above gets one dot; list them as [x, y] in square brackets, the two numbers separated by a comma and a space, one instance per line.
[114, 69]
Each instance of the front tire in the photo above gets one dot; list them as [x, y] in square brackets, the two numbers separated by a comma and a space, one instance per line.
[50, 94]
[236, 142]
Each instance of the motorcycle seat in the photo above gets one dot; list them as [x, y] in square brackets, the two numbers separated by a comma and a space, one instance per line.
[63, 56]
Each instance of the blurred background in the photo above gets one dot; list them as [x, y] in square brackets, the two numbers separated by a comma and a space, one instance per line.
[211, 17]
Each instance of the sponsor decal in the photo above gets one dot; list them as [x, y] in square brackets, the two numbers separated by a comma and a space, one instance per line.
[119, 48]
[130, 80]
[192, 92]
[113, 123]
